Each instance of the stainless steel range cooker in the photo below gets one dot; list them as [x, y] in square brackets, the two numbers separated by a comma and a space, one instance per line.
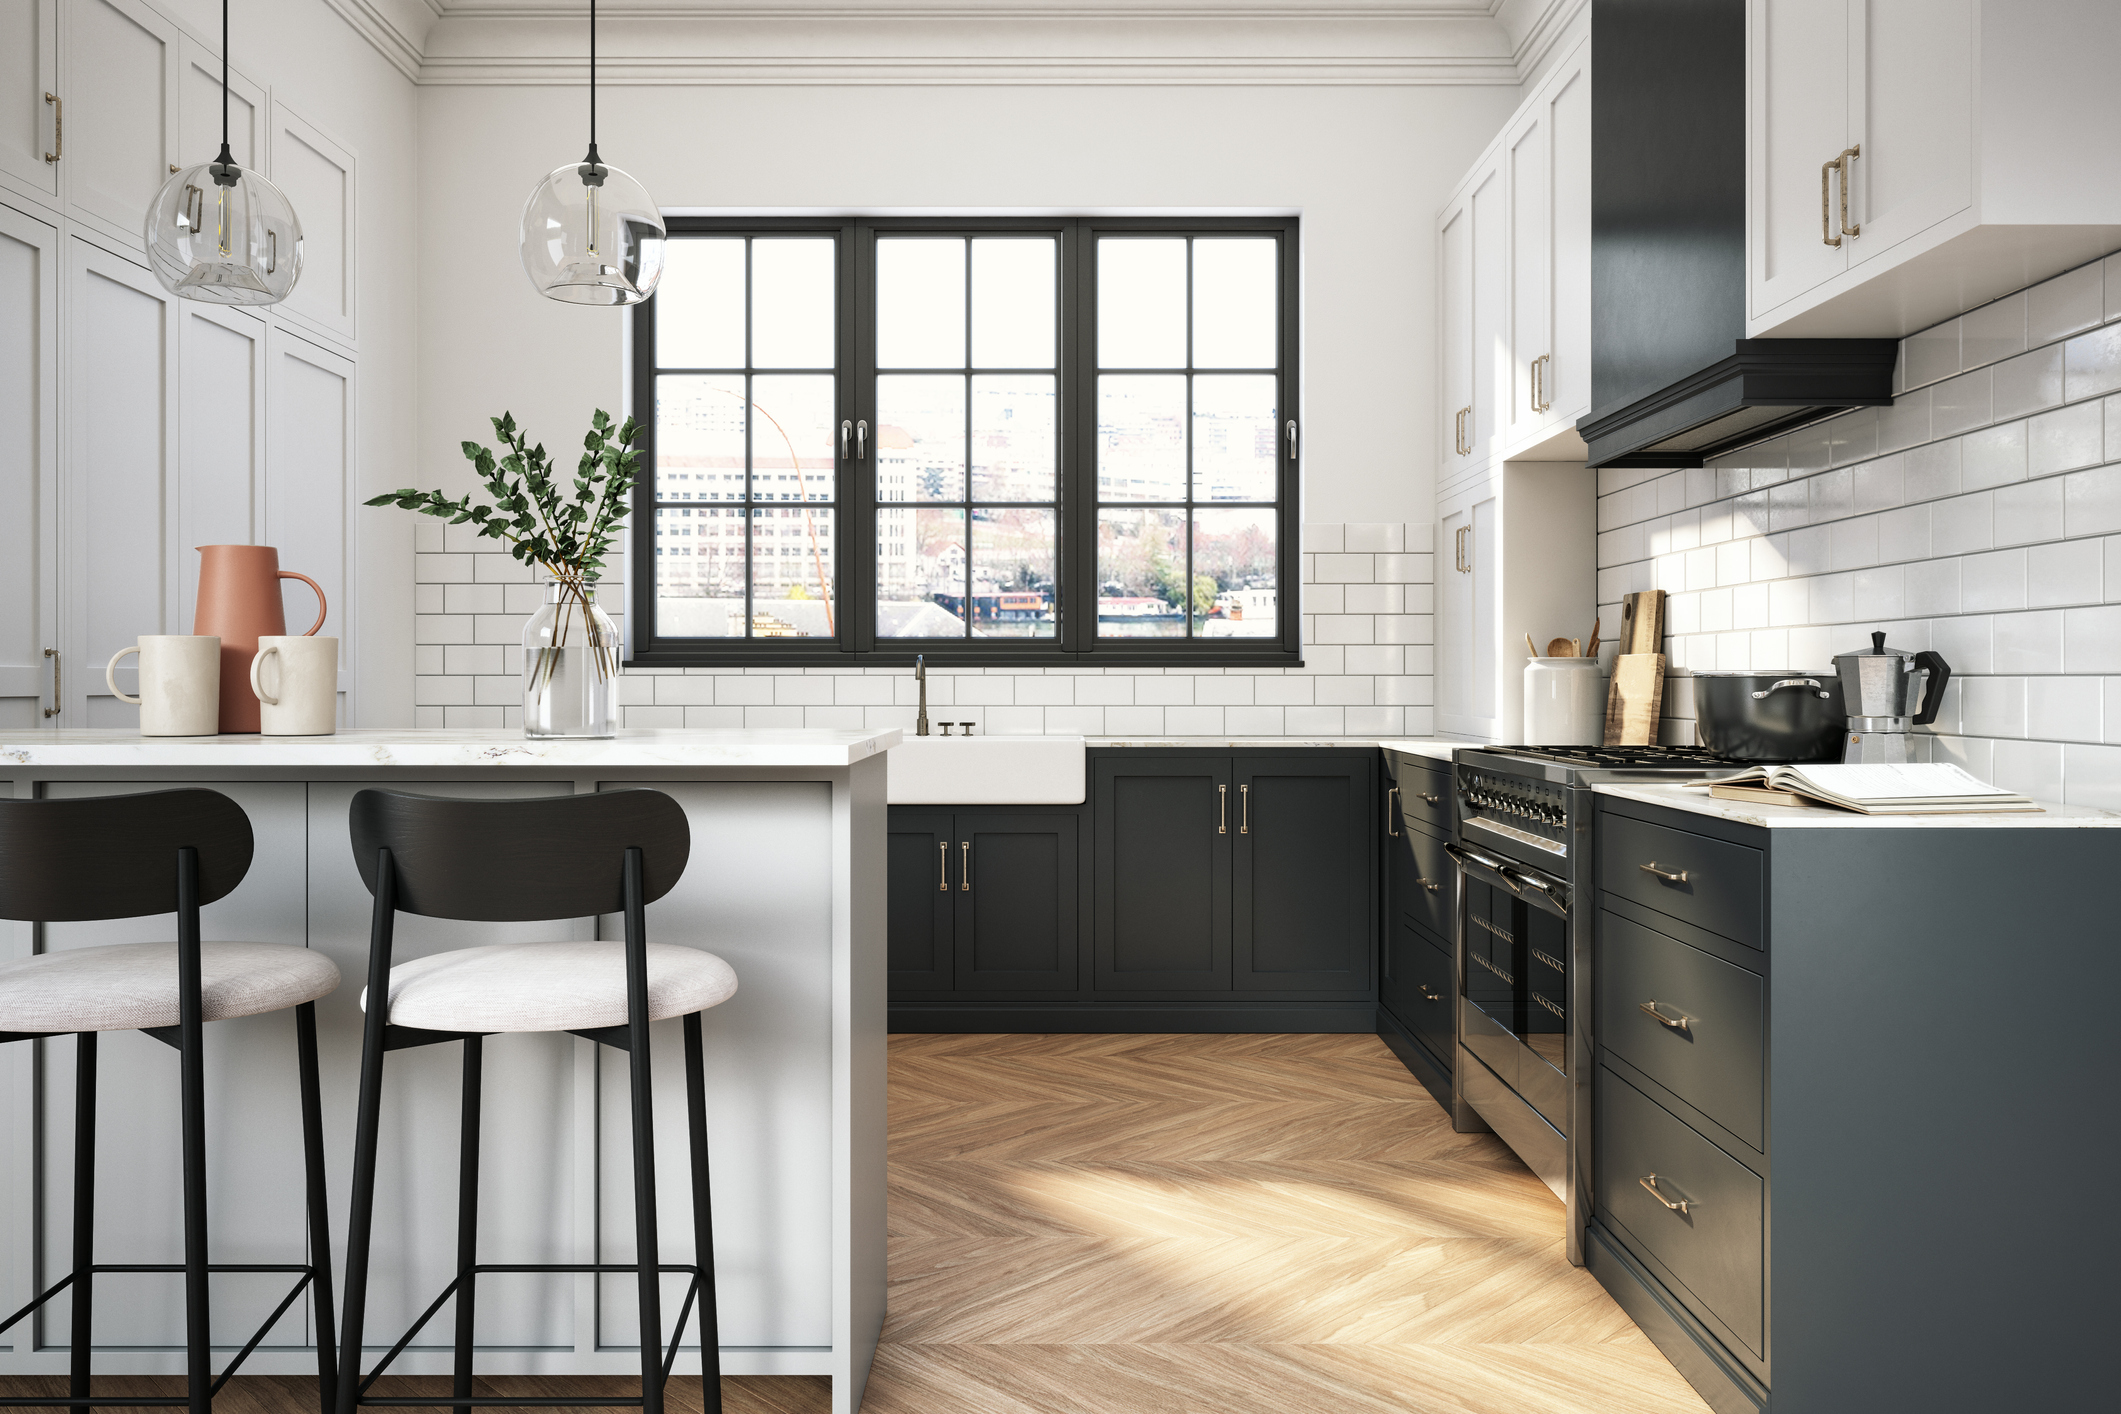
[1522, 838]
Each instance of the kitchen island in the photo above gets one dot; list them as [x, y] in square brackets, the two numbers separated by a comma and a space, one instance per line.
[785, 881]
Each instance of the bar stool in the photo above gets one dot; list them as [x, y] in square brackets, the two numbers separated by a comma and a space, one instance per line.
[506, 861]
[131, 856]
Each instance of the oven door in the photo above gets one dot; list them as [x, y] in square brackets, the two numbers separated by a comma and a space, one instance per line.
[1515, 970]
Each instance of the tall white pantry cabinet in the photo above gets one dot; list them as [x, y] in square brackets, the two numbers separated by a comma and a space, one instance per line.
[135, 427]
[1515, 503]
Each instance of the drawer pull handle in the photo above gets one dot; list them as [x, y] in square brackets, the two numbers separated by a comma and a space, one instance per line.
[1664, 875]
[1432, 799]
[1244, 810]
[1426, 994]
[1430, 884]
[942, 881]
[1684, 1025]
[964, 867]
[1391, 812]
[1681, 1205]
[1222, 810]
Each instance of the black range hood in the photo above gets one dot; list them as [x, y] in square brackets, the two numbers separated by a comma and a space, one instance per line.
[1673, 378]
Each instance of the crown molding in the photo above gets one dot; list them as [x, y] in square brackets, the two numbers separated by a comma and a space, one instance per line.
[396, 29]
[955, 71]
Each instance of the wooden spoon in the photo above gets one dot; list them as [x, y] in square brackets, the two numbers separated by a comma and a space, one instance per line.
[1563, 648]
[1528, 646]
[1592, 651]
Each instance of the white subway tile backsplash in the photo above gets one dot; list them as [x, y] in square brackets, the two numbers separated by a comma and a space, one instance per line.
[2062, 709]
[2028, 514]
[2065, 305]
[1993, 332]
[2032, 768]
[2092, 501]
[2028, 643]
[1930, 355]
[2091, 363]
[1963, 523]
[2028, 383]
[1962, 403]
[2092, 639]
[2064, 573]
[1992, 456]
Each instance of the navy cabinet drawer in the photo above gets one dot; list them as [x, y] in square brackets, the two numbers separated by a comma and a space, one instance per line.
[1713, 1057]
[1713, 1247]
[1424, 794]
[1429, 996]
[1709, 883]
[1428, 898]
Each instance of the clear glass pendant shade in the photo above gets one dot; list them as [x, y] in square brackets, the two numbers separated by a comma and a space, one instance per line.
[224, 235]
[592, 236]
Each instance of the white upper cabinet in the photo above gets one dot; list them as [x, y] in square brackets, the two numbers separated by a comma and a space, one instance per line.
[1514, 277]
[29, 69]
[199, 103]
[1909, 159]
[318, 176]
[29, 450]
[118, 82]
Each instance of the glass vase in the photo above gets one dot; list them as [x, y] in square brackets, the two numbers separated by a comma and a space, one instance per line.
[570, 665]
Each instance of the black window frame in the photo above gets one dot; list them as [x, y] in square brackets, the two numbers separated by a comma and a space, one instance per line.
[856, 645]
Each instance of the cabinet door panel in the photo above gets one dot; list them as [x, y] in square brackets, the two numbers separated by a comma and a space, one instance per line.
[1418, 989]
[1797, 97]
[223, 364]
[199, 112]
[308, 479]
[1163, 836]
[1528, 160]
[29, 442]
[1565, 383]
[1911, 110]
[1455, 302]
[1016, 924]
[119, 80]
[1302, 917]
[318, 176]
[29, 69]
[1428, 898]
[1491, 352]
[922, 907]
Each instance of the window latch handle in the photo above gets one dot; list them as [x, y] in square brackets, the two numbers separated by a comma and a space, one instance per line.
[861, 440]
[1291, 431]
[846, 431]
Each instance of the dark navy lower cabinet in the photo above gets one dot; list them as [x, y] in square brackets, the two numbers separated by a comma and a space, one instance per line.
[1416, 972]
[1814, 1187]
[1196, 890]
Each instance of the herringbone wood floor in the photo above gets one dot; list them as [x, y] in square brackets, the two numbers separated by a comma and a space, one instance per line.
[1237, 1224]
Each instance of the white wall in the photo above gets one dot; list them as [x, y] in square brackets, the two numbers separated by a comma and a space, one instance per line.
[1365, 166]
[1977, 516]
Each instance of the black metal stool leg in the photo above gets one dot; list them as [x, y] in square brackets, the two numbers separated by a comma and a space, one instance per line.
[320, 1287]
[198, 1342]
[361, 1208]
[646, 1253]
[467, 1211]
[702, 1218]
[84, 1212]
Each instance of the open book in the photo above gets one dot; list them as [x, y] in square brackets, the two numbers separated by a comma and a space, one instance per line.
[1937, 788]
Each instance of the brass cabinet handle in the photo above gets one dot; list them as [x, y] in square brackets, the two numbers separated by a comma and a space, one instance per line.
[1849, 155]
[964, 867]
[1682, 1205]
[1392, 813]
[53, 710]
[272, 246]
[1432, 799]
[58, 128]
[1546, 394]
[1222, 810]
[1426, 994]
[1244, 810]
[1826, 223]
[1430, 884]
[942, 883]
[1684, 1025]
[1666, 875]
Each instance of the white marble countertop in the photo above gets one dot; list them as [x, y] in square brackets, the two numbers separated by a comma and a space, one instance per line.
[369, 746]
[1787, 817]
[1436, 748]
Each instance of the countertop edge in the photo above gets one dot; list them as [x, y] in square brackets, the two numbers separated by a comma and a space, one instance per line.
[1787, 817]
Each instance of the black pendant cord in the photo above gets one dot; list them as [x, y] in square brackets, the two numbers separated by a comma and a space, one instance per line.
[592, 160]
[227, 175]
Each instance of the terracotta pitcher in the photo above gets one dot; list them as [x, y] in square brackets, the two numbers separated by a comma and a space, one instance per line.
[239, 601]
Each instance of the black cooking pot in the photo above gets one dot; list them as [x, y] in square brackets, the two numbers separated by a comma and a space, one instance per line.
[1788, 716]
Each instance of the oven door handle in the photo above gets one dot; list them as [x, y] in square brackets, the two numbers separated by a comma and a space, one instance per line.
[1555, 894]
[1553, 897]
[1468, 858]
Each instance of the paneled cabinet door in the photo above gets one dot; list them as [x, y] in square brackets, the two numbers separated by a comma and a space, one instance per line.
[29, 69]
[29, 455]
[1467, 618]
[1016, 901]
[118, 82]
[1163, 832]
[1304, 911]
[309, 459]
[1527, 155]
[199, 112]
[120, 569]
[923, 908]
[1565, 380]
[1491, 352]
[1454, 266]
[222, 366]
[1911, 111]
[1797, 55]
[318, 176]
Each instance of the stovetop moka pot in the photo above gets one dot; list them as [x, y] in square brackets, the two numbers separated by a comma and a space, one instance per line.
[1878, 689]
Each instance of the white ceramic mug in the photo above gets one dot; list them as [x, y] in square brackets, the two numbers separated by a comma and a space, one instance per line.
[298, 694]
[180, 683]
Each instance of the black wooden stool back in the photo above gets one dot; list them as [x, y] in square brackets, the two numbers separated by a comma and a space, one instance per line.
[115, 856]
[519, 861]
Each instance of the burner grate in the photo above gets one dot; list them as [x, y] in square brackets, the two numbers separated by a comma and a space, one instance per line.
[1621, 757]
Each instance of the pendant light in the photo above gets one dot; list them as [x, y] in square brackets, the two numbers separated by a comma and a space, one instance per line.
[220, 234]
[591, 235]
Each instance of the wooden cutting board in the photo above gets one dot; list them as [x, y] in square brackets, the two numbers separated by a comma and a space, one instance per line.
[1634, 700]
[1642, 622]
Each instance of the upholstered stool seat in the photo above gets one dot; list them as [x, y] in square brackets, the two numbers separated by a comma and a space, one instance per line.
[549, 987]
[133, 986]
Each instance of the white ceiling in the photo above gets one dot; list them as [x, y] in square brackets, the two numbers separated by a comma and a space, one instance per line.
[965, 41]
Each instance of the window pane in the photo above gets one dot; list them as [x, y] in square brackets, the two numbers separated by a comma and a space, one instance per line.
[1141, 437]
[1233, 304]
[1235, 446]
[1013, 303]
[1012, 573]
[1013, 437]
[1141, 573]
[699, 572]
[920, 437]
[699, 307]
[920, 303]
[920, 572]
[793, 453]
[1233, 551]
[699, 437]
[792, 303]
[791, 572]
[1141, 303]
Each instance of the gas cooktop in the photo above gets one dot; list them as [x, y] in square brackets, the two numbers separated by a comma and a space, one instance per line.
[1625, 758]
